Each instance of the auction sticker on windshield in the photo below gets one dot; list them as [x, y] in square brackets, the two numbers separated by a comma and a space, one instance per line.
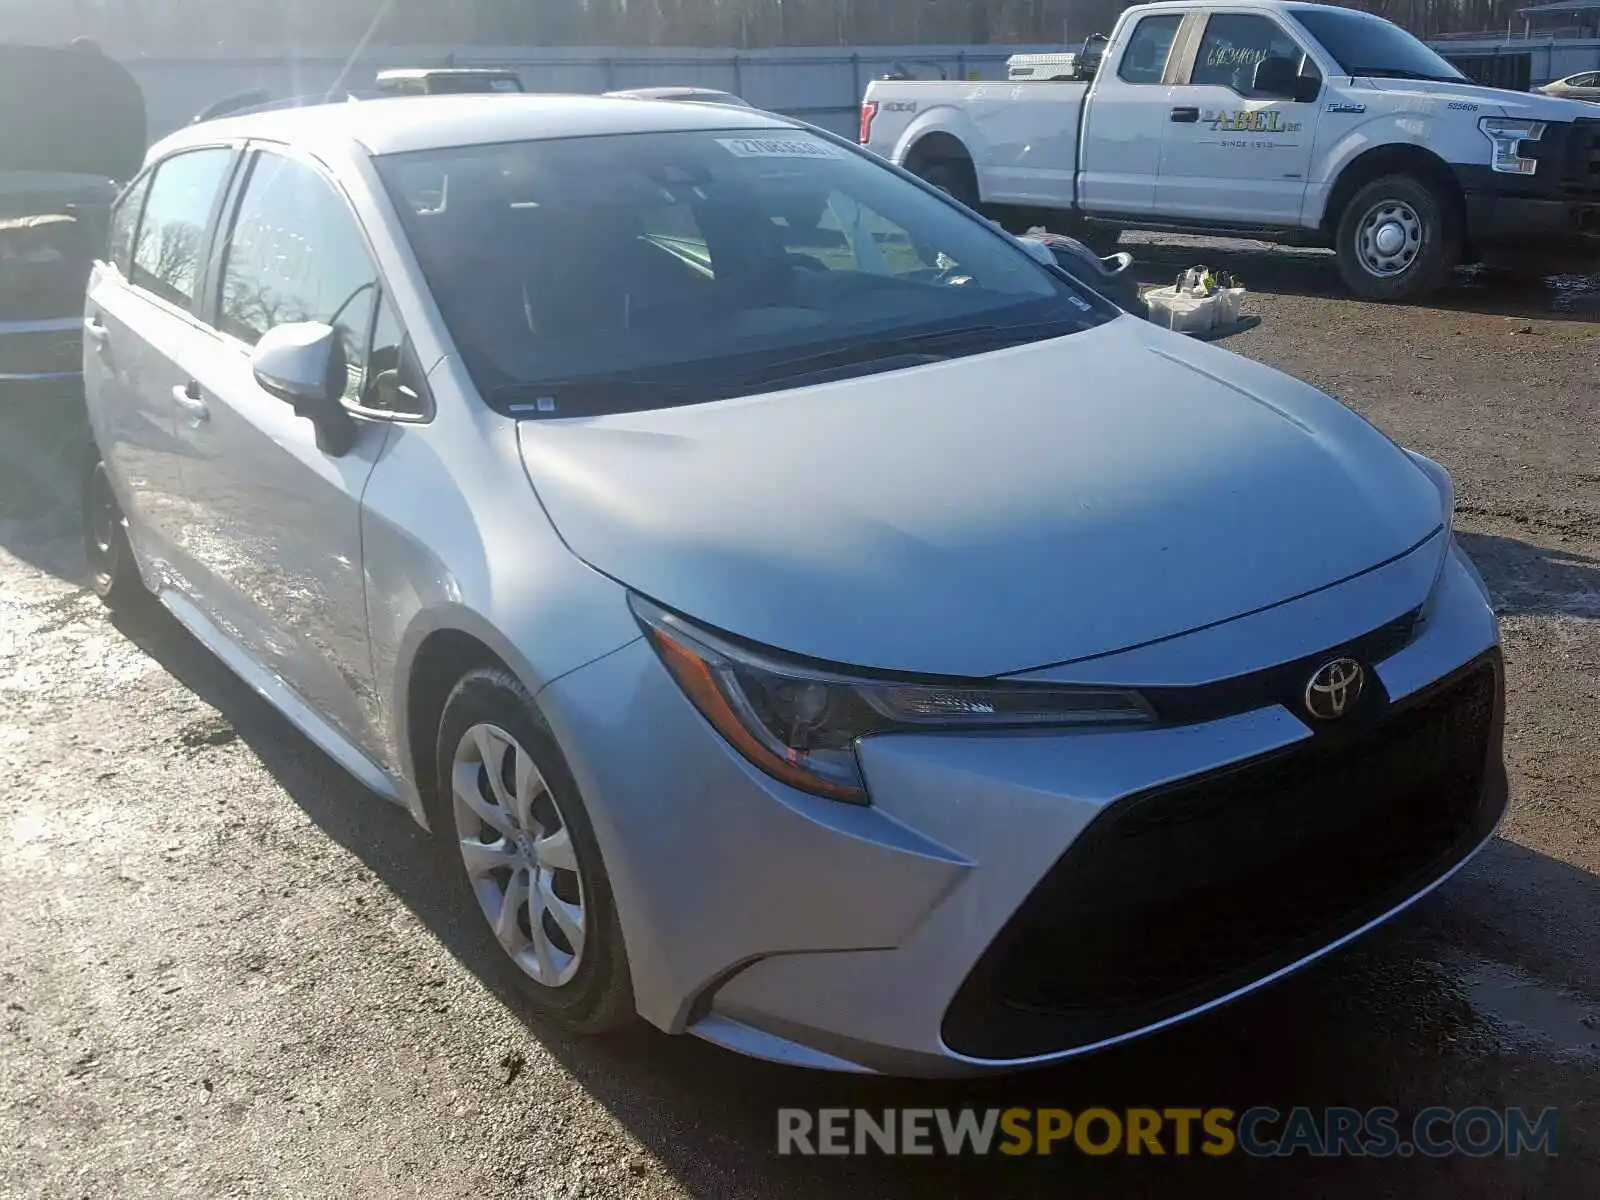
[779, 147]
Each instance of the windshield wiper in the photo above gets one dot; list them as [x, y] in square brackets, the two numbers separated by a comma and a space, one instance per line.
[1405, 73]
[585, 395]
[942, 343]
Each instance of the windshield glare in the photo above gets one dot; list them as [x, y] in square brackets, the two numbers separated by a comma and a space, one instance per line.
[1365, 45]
[679, 256]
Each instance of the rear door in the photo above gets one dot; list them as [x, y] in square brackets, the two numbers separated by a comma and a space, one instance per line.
[1228, 153]
[279, 556]
[1121, 150]
[139, 327]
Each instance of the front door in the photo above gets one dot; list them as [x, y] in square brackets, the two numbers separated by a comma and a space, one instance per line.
[1229, 153]
[1121, 148]
[280, 550]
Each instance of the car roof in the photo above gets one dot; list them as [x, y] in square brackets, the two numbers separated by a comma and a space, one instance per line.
[405, 123]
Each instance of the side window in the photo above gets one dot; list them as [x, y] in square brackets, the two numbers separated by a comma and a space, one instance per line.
[1234, 43]
[295, 253]
[1145, 60]
[177, 210]
[124, 223]
[388, 338]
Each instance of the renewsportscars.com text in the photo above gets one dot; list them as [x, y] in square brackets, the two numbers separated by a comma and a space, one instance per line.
[1259, 1132]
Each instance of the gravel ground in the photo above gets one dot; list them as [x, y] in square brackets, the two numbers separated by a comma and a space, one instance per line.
[225, 969]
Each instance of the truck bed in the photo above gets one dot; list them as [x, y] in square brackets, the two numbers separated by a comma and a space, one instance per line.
[1022, 135]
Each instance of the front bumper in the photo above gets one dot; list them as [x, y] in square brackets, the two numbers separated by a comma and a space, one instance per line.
[1558, 204]
[1496, 219]
[903, 938]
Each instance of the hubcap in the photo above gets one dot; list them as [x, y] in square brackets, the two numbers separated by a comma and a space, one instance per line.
[519, 855]
[1389, 238]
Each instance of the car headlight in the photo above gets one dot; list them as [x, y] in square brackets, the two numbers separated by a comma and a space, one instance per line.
[799, 723]
[1506, 135]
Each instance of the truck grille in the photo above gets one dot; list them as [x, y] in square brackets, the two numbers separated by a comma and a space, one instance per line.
[1180, 895]
[1580, 180]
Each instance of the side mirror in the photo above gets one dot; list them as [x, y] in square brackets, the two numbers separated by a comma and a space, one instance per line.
[304, 364]
[1281, 77]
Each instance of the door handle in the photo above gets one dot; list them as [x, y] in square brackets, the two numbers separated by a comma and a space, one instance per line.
[96, 330]
[188, 398]
[1185, 116]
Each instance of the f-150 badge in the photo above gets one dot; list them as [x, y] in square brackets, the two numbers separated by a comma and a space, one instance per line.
[1260, 120]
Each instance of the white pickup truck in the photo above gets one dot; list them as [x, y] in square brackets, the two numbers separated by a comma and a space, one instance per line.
[1294, 122]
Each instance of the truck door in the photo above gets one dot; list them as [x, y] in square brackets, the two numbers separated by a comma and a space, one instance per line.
[1121, 148]
[1230, 151]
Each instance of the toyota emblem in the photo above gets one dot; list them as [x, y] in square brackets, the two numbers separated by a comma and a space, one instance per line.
[1335, 688]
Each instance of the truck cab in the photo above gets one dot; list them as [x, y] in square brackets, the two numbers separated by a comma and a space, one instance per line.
[1295, 122]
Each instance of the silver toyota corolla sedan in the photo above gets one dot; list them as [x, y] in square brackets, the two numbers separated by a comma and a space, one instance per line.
[803, 618]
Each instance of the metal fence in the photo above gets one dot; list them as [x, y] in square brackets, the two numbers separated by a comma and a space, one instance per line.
[822, 86]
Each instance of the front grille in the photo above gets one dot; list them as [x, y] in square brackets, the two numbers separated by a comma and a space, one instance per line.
[1281, 684]
[1179, 895]
[1580, 178]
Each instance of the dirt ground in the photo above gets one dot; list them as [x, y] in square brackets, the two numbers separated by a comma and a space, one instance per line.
[226, 970]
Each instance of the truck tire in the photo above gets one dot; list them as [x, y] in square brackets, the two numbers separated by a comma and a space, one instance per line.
[951, 176]
[1399, 238]
[1102, 239]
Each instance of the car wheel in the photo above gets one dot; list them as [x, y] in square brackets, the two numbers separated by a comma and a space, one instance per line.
[113, 574]
[1398, 238]
[516, 837]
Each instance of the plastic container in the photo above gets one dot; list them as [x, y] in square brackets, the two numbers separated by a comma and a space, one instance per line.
[1170, 309]
[1230, 305]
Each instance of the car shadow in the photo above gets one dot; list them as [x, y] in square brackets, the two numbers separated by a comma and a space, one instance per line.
[1379, 1023]
[1293, 271]
[1525, 578]
[44, 436]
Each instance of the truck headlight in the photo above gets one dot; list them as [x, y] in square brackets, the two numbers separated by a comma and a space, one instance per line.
[1506, 135]
[799, 722]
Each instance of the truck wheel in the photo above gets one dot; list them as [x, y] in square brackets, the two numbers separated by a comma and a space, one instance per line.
[1102, 239]
[956, 179]
[1399, 238]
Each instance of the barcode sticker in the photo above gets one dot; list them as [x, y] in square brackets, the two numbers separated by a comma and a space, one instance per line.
[779, 147]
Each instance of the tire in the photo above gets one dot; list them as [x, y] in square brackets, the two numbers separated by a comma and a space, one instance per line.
[582, 983]
[954, 177]
[1426, 228]
[1102, 239]
[113, 573]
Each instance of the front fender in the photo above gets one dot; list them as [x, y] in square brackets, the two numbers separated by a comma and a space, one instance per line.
[1418, 129]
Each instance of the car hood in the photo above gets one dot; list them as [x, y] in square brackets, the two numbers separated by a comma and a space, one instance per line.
[989, 514]
[69, 112]
[1492, 102]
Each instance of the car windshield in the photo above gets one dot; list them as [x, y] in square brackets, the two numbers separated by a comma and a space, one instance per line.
[604, 274]
[1366, 45]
